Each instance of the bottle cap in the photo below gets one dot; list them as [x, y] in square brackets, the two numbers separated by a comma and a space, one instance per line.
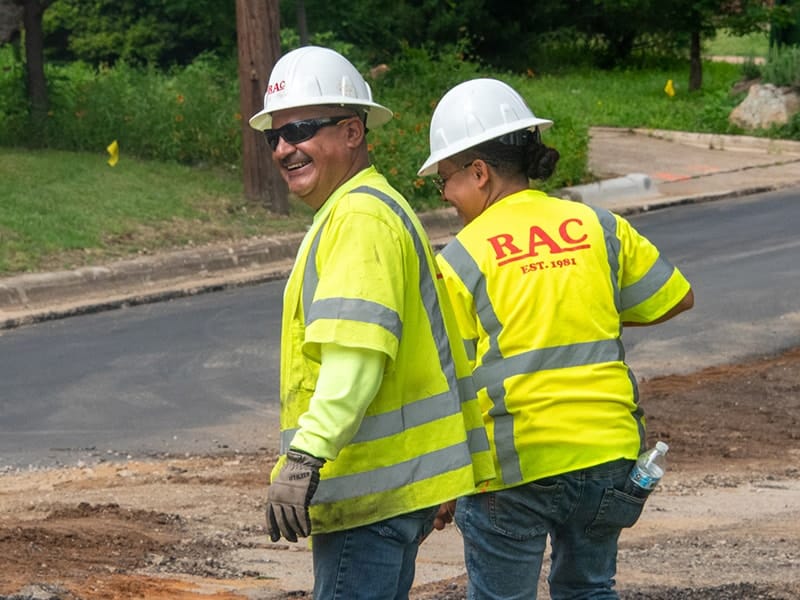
[662, 447]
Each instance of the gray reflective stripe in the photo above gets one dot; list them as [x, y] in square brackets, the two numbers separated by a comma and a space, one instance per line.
[417, 413]
[609, 224]
[310, 277]
[638, 412]
[494, 376]
[474, 280]
[375, 427]
[287, 435]
[495, 369]
[477, 440]
[643, 289]
[471, 348]
[378, 426]
[504, 441]
[466, 387]
[377, 480]
[343, 308]
[554, 357]
[427, 288]
[648, 285]
[354, 309]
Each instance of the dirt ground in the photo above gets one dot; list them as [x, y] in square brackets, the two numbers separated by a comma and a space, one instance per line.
[724, 523]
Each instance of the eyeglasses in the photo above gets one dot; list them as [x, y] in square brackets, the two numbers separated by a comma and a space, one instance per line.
[301, 131]
[440, 181]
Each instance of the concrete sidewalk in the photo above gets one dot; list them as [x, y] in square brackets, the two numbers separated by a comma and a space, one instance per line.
[645, 169]
[637, 170]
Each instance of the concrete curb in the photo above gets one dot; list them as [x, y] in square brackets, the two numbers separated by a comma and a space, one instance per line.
[28, 298]
[38, 297]
[714, 141]
[634, 184]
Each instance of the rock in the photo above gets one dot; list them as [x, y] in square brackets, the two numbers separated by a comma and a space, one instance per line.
[40, 592]
[766, 105]
[740, 87]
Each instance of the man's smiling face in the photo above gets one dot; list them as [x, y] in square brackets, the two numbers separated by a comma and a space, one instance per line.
[313, 169]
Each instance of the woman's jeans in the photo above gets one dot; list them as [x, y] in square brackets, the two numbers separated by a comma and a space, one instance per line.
[373, 562]
[505, 533]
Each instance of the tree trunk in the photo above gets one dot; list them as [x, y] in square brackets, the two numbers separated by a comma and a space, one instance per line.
[258, 38]
[302, 23]
[32, 11]
[695, 63]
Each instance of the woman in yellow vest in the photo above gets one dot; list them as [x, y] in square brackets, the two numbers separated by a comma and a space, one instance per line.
[542, 288]
[379, 419]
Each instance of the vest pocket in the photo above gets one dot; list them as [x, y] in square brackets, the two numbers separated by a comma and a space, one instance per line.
[304, 372]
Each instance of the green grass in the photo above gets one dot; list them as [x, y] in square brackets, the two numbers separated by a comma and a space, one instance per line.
[63, 209]
[750, 45]
[67, 209]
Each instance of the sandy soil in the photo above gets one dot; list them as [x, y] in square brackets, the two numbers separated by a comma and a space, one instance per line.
[724, 523]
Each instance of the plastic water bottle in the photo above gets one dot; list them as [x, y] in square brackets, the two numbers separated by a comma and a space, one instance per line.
[648, 471]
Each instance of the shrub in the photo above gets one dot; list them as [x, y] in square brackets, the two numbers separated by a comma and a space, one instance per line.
[190, 114]
[783, 66]
[751, 70]
[13, 102]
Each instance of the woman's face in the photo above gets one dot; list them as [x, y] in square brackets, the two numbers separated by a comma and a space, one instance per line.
[459, 187]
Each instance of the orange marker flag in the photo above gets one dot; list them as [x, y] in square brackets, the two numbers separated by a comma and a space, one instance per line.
[113, 151]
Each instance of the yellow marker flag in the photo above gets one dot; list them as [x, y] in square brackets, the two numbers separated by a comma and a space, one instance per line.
[669, 89]
[113, 151]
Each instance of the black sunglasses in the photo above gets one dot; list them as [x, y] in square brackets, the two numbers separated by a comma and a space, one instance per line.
[300, 131]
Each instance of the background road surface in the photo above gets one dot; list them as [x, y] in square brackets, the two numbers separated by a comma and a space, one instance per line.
[199, 374]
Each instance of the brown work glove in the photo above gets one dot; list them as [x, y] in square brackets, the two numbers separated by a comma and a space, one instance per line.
[289, 496]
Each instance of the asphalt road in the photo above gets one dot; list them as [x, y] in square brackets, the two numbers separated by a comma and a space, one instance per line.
[199, 374]
[742, 257]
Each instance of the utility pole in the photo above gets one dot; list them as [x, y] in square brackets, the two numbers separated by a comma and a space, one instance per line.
[302, 23]
[258, 39]
[32, 11]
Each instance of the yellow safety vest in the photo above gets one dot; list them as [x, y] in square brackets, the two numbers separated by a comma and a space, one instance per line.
[365, 277]
[540, 287]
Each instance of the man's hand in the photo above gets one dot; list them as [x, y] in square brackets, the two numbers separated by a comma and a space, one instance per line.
[444, 515]
[289, 496]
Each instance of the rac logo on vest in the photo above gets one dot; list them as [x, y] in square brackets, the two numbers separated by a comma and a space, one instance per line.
[569, 238]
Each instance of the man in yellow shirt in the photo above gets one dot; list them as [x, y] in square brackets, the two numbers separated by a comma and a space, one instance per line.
[379, 420]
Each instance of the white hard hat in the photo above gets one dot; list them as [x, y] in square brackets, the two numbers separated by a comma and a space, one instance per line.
[473, 112]
[312, 75]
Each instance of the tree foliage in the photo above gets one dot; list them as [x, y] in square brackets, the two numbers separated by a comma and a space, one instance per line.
[139, 31]
[516, 35]
[505, 34]
[522, 37]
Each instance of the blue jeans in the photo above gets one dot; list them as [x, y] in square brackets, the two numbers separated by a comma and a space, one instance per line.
[505, 533]
[373, 562]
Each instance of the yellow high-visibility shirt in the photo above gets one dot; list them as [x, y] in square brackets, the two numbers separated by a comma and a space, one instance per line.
[365, 277]
[540, 287]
